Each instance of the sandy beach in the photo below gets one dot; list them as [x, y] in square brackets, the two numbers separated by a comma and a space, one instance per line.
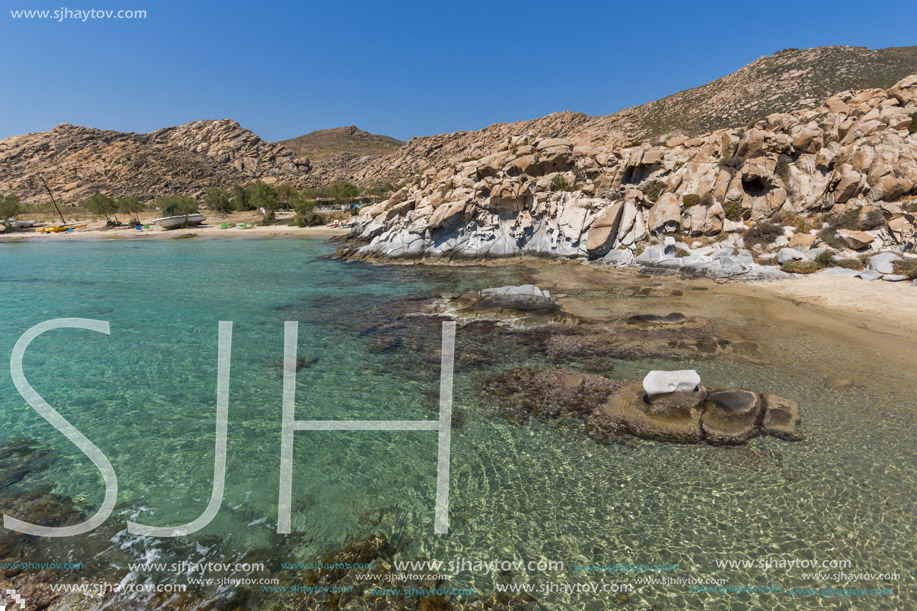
[96, 230]
[882, 313]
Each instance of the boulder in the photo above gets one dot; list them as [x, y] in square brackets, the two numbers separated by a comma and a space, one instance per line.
[857, 240]
[604, 230]
[697, 218]
[657, 383]
[781, 418]
[883, 262]
[731, 416]
[625, 412]
[610, 408]
[802, 240]
[446, 215]
[526, 298]
[656, 254]
[901, 227]
[869, 275]
[665, 215]
[713, 224]
[905, 90]
[789, 254]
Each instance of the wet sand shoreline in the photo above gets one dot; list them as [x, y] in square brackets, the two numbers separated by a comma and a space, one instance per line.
[207, 231]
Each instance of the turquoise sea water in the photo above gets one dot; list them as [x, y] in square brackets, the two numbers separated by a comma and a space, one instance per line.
[145, 395]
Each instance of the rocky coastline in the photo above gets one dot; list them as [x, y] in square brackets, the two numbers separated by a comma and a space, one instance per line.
[796, 192]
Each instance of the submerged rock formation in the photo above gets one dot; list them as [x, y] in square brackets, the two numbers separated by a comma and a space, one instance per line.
[854, 155]
[523, 300]
[610, 408]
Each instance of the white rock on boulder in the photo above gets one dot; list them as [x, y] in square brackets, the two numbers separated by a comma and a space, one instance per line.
[658, 383]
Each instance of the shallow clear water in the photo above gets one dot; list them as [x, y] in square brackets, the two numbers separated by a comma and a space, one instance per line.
[145, 395]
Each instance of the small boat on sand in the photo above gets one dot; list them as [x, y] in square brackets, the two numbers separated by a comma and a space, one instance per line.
[181, 220]
[60, 228]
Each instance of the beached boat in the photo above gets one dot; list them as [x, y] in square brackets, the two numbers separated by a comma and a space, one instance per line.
[60, 228]
[181, 220]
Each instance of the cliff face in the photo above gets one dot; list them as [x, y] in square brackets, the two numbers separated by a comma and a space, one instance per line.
[572, 197]
[80, 161]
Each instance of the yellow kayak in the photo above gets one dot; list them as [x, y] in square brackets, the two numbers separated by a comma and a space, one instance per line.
[59, 228]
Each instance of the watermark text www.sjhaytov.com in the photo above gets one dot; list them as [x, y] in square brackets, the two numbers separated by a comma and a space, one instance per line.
[62, 14]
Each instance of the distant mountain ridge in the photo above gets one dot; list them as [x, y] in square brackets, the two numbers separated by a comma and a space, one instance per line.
[350, 140]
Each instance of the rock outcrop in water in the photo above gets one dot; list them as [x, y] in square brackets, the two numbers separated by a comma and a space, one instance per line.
[610, 408]
[854, 156]
[523, 300]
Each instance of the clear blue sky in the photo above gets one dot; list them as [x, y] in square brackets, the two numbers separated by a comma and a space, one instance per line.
[399, 68]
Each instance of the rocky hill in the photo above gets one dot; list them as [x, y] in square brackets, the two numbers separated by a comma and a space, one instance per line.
[850, 161]
[786, 81]
[80, 161]
[350, 140]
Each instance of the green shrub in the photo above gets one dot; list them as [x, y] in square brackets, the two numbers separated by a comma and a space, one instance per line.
[654, 190]
[103, 205]
[783, 169]
[801, 267]
[309, 219]
[218, 200]
[828, 235]
[906, 267]
[9, 207]
[800, 223]
[733, 211]
[286, 193]
[175, 205]
[262, 195]
[707, 199]
[240, 198]
[380, 189]
[339, 192]
[690, 199]
[850, 264]
[825, 259]
[763, 232]
[305, 213]
[731, 163]
[853, 219]
[913, 126]
[871, 220]
[132, 207]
